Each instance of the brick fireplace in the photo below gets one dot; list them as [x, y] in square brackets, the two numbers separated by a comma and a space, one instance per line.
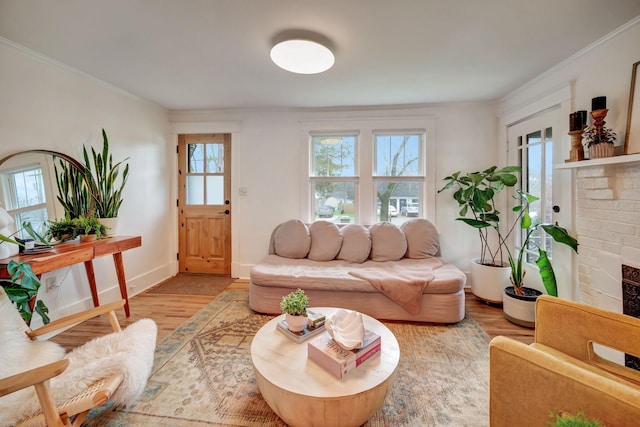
[608, 228]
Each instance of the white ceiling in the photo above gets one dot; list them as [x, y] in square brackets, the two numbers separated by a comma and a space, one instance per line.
[204, 54]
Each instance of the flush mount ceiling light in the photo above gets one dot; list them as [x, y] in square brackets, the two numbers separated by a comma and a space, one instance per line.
[302, 56]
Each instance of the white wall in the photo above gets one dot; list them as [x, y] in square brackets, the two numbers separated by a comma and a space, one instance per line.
[605, 229]
[46, 105]
[267, 159]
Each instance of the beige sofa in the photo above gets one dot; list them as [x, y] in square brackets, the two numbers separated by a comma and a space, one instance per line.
[383, 270]
[560, 373]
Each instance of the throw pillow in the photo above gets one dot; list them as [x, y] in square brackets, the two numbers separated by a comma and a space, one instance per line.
[292, 239]
[326, 241]
[422, 238]
[388, 242]
[356, 243]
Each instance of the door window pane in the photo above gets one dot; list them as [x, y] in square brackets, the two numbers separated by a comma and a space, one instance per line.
[215, 190]
[195, 158]
[215, 158]
[195, 190]
[538, 166]
[205, 176]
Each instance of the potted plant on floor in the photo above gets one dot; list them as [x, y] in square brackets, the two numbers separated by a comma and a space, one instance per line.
[475, 193]
[519, 300]
[105, 182]
[295, 306]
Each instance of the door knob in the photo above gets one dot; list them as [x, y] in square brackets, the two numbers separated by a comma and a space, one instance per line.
[226, 212]
[556, 208]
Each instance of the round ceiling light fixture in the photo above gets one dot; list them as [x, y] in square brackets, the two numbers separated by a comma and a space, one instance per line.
[302, 56]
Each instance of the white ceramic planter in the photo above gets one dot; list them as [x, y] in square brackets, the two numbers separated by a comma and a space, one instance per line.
[487, 282]
[111, 224]
[296, 323]
[520, 309]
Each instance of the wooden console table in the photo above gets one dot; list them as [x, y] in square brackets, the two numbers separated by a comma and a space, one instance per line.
[69, 253]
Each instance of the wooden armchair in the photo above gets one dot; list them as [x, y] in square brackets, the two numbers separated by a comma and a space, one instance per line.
[73, 411]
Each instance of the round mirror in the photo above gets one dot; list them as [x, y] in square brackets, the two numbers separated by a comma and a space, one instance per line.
[29, 187]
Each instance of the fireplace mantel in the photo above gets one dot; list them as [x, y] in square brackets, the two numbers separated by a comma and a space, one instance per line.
[626, 158]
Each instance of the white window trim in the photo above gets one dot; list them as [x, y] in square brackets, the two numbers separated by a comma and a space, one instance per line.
[364, 156]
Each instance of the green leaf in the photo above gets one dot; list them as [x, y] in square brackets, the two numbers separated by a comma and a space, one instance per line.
[560, 235]
[546, 273]
[474, 222]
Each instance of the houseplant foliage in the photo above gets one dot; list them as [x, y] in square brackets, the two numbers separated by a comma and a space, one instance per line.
[73, 193]
[593, 135]
[23, 288]
[295, 306]
[526, 223]
[104, 180]
[295, 303]
[475, 194]
[85, 226]
[70, 228]
[563, 419]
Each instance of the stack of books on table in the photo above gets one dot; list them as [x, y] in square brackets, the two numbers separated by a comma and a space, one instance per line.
[332, 357]
[314, 327]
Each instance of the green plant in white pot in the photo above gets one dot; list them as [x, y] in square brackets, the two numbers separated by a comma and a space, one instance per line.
[519, 300]
[475, 193]
[294, 305]
[104, 180]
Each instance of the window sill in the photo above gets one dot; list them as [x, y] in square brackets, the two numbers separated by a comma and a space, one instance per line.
[626, 158]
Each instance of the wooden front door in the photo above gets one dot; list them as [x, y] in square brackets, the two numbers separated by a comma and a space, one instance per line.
[204, 183]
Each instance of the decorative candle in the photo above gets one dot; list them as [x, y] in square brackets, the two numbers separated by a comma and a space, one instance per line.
[573, 122]
[599, 103]
[582, 119]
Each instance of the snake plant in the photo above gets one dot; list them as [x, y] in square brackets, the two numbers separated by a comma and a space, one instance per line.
[104, 180]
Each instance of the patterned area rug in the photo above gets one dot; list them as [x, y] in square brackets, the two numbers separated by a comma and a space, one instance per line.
[202, 375]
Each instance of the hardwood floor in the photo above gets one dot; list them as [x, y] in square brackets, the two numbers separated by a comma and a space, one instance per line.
[170, 310]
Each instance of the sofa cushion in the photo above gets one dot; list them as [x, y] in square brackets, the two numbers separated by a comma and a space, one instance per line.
[326, 241]
[356, 243]
[388, 242]
[292, 239]
[422, 238]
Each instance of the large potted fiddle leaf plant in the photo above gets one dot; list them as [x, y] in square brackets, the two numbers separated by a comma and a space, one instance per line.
[475, 193]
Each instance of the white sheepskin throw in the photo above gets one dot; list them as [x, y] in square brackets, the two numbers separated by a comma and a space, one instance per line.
[129, 352]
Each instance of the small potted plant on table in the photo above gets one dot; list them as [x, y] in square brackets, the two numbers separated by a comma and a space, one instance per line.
[295, 306]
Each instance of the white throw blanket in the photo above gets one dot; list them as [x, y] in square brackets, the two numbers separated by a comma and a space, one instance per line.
[129, 352]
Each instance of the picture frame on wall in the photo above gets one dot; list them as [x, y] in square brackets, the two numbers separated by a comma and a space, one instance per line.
[632, 136]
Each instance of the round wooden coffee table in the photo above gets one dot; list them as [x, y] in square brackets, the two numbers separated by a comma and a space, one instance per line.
[303, 394]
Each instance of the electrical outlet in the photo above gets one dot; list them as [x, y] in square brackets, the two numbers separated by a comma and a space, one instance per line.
[51, 283]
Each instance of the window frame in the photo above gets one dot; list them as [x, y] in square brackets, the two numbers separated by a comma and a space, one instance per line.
[366, 200]
[419, 178]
